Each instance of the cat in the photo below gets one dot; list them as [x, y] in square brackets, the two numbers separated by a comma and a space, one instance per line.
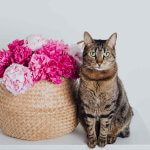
[104, 110]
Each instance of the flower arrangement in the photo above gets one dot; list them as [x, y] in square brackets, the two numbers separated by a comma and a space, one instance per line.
[34, 59]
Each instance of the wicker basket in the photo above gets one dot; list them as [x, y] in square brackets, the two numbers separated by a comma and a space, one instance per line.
[44, 111]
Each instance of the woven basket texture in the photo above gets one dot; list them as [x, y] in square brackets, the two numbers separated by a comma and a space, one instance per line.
[44, 111]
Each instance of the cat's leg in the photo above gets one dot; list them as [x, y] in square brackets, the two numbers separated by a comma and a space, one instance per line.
[125, 130]
[113, 133]
[104, 128]
[91, 132]
[118, 130]
[119, 127]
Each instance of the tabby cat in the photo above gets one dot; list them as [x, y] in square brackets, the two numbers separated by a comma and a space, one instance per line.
[104, 110]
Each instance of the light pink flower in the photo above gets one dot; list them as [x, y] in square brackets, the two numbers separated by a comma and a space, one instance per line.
[76, 52]
[35, 41]
[17, 78]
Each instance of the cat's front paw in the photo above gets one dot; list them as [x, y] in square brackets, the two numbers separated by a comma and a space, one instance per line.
[111, 140]
[92, 143]
[102, 141]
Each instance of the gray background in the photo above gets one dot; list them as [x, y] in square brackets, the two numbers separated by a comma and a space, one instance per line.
[68, 19]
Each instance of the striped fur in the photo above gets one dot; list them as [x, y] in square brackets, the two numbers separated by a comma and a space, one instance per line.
[104, 110]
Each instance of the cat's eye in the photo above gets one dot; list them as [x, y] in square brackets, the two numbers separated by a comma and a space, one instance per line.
[107, 54]
[92, 54]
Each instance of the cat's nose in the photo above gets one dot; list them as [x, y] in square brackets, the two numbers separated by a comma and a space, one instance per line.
[99, 60]
[99, 65]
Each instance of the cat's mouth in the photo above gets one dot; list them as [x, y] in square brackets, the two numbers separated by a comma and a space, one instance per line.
[99, 68]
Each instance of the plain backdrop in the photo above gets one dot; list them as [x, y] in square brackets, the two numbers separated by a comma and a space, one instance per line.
[68, 19]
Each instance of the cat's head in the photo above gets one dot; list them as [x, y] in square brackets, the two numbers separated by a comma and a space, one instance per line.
[99, 55]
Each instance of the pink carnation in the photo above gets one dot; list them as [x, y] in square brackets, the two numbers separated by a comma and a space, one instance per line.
[57, 63]
[5, 61]
[38, 65]
[53, 48]
[35, 41]
[17, 78]
[20, 54]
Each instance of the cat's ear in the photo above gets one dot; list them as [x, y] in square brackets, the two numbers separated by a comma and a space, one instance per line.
[112, 40]
[87, 38]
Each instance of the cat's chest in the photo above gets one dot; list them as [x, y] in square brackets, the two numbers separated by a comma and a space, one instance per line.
[99, 95]
[103, 96]
[100, 90]
[103, 90]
